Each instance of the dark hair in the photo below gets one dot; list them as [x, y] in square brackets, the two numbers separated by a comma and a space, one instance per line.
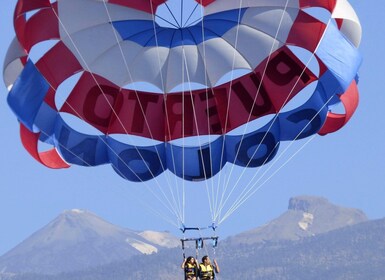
[189, 259]
[205, 258]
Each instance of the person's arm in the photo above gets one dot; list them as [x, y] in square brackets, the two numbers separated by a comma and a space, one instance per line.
[183, 264]
[216, 267]
[196, 270]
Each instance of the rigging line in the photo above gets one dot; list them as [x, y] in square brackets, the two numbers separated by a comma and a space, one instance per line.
[228, 103]
[210, 196]
[287, 148]
[183, 139]
[171, 13]
[181, 13]
[185, 67]
[125, 164]
[140, 104]
[179, 203]
[197, 127]
[249, 182]
[205, 247]
[245, 189]
[225, 185]
[288, 96]
[150, 208]
[207, 89]
[268, 179]
[218, 213]
[255, 98]
[258, 90]
[142, 110]
[292, 142]
[192, 12]
[107, 145]
[194, 22]
[169, 22]
[163, 216]
[229, 100]
[101, 90]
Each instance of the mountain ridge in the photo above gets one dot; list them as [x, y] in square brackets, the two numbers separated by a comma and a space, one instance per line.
[79, 240]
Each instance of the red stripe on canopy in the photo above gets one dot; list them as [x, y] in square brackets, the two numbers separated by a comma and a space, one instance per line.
[335, 121]
[205, 2]
[148, 6]
[50, 158]
[327, 4]
[165, 117]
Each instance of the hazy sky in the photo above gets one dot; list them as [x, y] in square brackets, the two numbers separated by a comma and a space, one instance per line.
[346, 167]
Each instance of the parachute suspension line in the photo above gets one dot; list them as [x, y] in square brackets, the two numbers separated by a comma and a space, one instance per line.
[185, 68]
[171, 209]
[192, 12]
[168, 8]
[183, 140]
[241, 196]
[169, 22]
[181, 13]
[250, 191]
[175, 204]
[180, 201]
[163, 216]
[199, 140]
[238, 180]
[175, 193]
[223, 200]
[159, 214]
[227, 109]
[210, 193]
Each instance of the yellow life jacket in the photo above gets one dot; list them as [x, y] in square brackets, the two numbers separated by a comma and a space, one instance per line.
[206, 272]
[190, 270]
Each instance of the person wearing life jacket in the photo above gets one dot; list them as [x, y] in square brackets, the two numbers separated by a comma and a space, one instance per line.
[207, 270]
[190, 268]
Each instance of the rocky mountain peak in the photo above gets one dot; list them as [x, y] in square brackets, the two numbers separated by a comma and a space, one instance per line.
[307, 203]
[306, 216]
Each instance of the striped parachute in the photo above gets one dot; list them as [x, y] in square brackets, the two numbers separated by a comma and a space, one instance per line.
[179, 85]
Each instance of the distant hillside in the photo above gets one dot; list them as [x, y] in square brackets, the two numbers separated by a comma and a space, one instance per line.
[77, 240]
[335, 243]
[351, 253]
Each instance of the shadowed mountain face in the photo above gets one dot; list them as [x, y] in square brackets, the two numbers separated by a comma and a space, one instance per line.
[76, 240]
[306, 216]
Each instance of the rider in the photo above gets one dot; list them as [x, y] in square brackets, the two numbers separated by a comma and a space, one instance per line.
[207, 270]
[190, 267]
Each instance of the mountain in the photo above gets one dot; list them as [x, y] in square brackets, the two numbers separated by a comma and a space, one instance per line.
[306, 216]
[76, 240]
[354, 252]
[314, 239]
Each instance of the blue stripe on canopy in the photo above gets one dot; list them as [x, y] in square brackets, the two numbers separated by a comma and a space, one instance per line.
[142, 31]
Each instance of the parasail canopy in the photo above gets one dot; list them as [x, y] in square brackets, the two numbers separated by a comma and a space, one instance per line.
[179, 85]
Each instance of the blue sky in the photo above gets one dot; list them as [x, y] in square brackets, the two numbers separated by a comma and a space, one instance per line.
[346, 167]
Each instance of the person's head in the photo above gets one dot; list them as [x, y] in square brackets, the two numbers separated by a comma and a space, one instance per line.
[190, 260]
[206, 260]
